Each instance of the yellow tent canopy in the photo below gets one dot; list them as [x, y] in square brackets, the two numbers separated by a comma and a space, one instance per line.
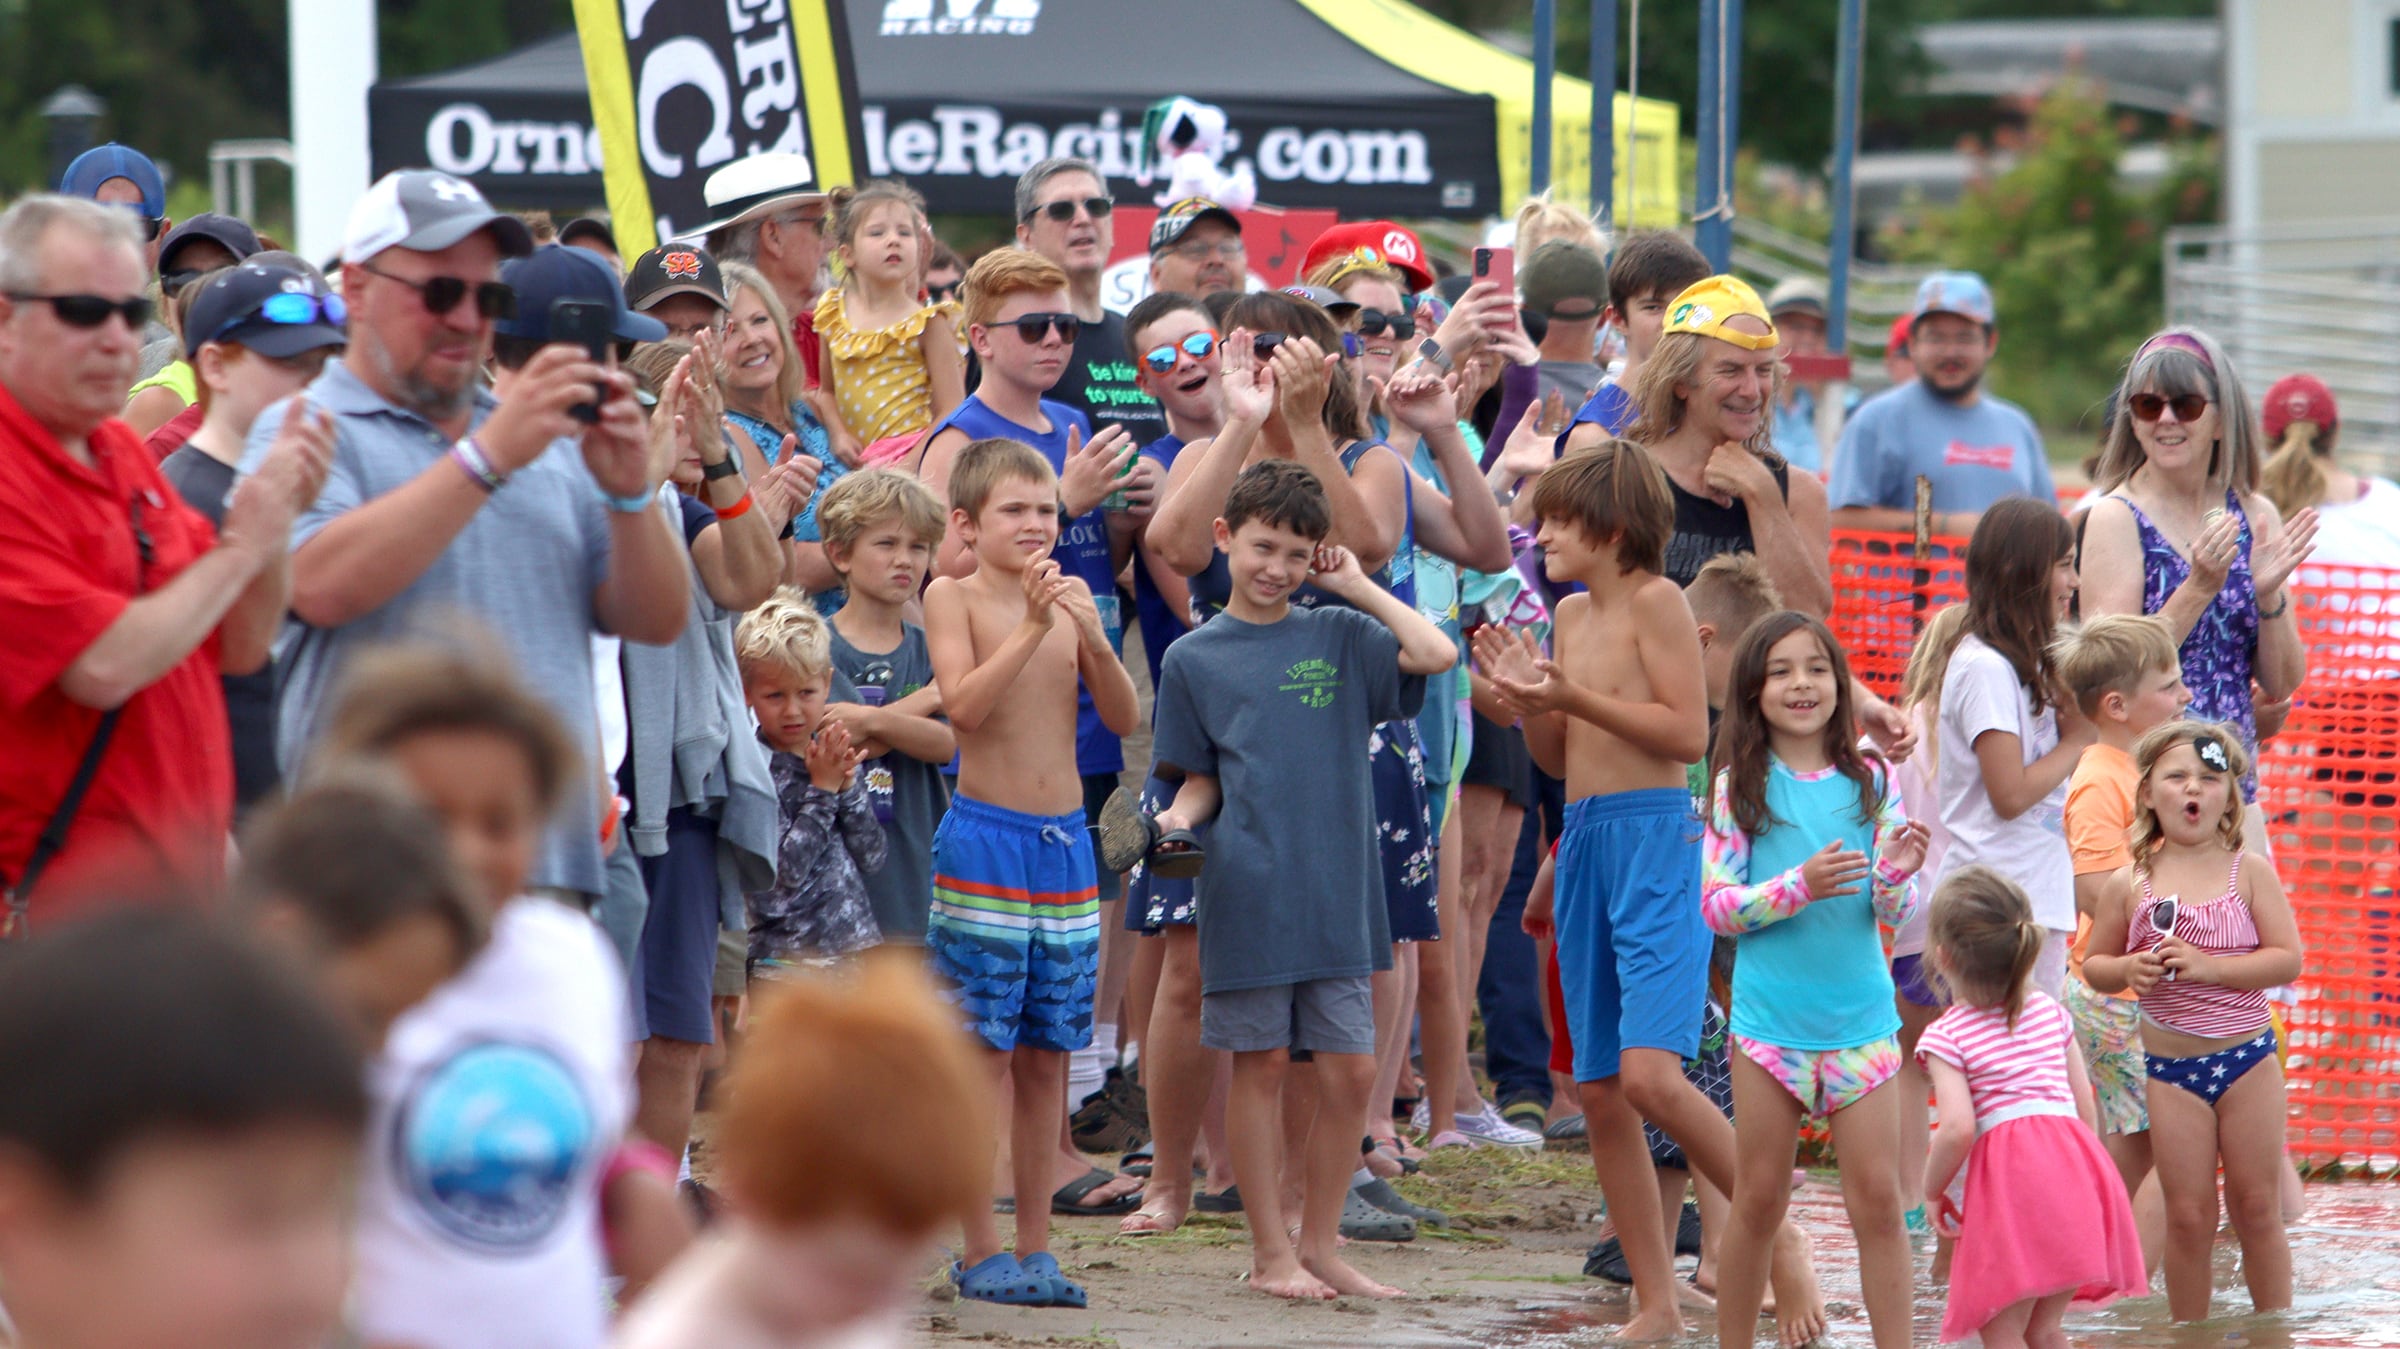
[1649, 188]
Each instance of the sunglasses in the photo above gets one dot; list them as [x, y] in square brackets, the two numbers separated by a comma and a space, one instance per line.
[1064, 210]
[441, 294]
[1262, 345]
[937, 294]
[291, 308]
[1375, 323]
[1030, 327]
[1197, 346]
[90, 311]
[2146, 407]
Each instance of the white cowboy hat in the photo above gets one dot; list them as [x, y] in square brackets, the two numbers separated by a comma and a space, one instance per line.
[749, 188]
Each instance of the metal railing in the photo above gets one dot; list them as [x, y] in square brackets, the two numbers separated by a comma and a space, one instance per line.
[1879, 292]
[2324, 299]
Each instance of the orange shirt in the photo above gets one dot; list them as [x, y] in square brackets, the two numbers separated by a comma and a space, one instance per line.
[2099, 816]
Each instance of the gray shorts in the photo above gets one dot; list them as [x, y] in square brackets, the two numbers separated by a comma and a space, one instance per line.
[1319, 1016]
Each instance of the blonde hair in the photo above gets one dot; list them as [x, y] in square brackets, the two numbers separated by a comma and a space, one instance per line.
[1338, 272]
[416, 688]
[785, 635]
[985, 464]
[2111, 654]
[1731, 592]
[1541, 220]
[1001, 273]
[2294, 476]
[1659, 409]
[2147, 837]
[791, 1143]
[873, 495]
[791, 385]
[652, 363]
[1981, 929]
[1928, 665]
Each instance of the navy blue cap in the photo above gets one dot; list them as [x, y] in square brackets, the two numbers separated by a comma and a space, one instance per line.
[103, 162]
[233, 235]
[556, 272]
[234, 306]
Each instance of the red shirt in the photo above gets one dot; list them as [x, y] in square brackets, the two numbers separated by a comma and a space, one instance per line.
[171, 435]
[812, 347]
[162, 803]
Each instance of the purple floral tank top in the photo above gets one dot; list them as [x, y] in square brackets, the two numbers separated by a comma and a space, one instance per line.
[2223, 646]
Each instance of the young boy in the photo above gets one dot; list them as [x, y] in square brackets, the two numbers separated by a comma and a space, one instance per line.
[1015, 926]
[1633, 953]
[880, 529]
[1649, 270]
[1255, 710]
[178, 1150]
[817, 910]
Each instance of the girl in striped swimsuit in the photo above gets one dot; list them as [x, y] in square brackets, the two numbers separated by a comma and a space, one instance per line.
[2201, 966]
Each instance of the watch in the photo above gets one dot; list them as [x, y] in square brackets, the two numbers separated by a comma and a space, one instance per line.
[1432, 351]
[726, 467]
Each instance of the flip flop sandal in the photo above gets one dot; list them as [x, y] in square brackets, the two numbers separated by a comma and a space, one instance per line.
[1362, 1221]
[1128, 836]
[1409, 1166]
[1006, 1203]
[1380, 1193]
[1227, 1200]
[1136, 1162]
[1063, 1293]
[1569, 1129]
[1067, 1199]
[1607, 1261]
[1001, 1279]
[1687, 1231]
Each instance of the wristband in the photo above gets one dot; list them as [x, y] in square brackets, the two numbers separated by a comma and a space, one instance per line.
[471, 459]
[632, 505]
[741, 507]
[2279, 610]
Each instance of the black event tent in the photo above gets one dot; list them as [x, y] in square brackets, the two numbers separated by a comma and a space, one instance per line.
[962, 95]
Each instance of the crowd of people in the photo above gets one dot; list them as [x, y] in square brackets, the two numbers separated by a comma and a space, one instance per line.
[477, 705]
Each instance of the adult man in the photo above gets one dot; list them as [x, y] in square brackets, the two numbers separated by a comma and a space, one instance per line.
[1196, 249]
[771, 214]
[1972, 447]
[1797, 309]
[1567, 284]
[1064, 214]
[443, 500]
[678, 285]
[119, 175]
[593, 235]
[117, 599]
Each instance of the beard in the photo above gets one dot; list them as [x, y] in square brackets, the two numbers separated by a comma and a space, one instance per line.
[428, 398]
[1950, 392]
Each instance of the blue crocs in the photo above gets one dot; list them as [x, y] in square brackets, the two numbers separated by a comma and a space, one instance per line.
[1044, 1266]
[1001, 1279]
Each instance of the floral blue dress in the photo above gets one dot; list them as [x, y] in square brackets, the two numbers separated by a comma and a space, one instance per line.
[2222, 650]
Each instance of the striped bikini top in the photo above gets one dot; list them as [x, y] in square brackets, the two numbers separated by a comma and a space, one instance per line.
[2221, 927]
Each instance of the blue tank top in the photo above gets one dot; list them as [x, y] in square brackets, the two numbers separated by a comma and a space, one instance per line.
[1816, 980]
[1082, 551]
[1160, 624]
[1213, 588]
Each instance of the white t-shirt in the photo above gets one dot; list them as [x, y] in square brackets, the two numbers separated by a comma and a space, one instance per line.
[1980, 693]
[1918, 797]
[497, 1101]
[2347, 574]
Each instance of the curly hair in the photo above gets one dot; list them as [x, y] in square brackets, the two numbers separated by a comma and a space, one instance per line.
[785, 635]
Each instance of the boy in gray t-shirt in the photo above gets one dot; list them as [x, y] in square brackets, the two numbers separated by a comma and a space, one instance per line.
[1264, 713]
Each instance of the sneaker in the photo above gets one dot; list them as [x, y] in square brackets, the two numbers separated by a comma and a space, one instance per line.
[1526, 1113]
[1421, 1118]
[1487, 1127]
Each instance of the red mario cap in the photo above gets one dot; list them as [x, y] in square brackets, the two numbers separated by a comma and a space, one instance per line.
[1377, 243]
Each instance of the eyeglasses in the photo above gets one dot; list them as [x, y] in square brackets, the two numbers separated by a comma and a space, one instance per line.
[172, 283]
[1200, 250]
[1375, 323]
[814, 222]
[1030, 327]
[1197, 346]
[1262, 345]
[2146, 407]
[441, 294]
[290, 308]
[90, 311]
[1063, 210]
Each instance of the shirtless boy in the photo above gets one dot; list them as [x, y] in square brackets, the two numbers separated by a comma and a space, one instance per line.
[1015, 927]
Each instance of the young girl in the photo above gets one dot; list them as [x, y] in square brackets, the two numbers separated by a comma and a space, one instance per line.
[1807, 849]
[1916, 779]
[2200, 929]
[2046, 1217]
[892, 362]
[2009, 739]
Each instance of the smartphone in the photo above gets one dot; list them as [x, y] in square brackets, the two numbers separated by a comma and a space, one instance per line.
[1499, 266]
[587, 324]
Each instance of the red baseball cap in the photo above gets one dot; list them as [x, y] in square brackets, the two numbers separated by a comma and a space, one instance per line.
[1898, 340]
[1375, 242]
[2297, 398]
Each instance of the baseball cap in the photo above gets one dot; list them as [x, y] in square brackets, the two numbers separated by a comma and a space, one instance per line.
[556, 272]
[1704, 306]
[1898, 338]
[1960, 293]
[588, 227]
[749, 188]
[273, 303]
[1327, 300]
[1376, 243]
[103, 162]
[1563, 273]
[1177, 220]
[2298, 398]
[1797, 295]
[674, 269]
[234, 236]
[425, 211]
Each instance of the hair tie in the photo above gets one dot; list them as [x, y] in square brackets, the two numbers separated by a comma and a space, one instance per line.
[2211, 751]
[2180, 341]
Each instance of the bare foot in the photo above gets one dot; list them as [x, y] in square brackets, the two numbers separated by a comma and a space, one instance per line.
[1799, 1304]
[1694, 1298]
[1293, 1282]
[1161, 1211]
[1337, 1272]
[1651, 1325]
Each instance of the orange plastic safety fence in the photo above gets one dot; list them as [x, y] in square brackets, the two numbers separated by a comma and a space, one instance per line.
[2329, 781]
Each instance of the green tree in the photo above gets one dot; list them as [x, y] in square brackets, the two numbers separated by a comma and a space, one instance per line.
[2071, 251]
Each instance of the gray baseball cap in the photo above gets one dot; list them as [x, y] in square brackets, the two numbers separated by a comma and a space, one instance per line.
[425, 211]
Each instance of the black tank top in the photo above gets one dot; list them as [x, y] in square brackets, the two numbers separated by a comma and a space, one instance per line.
[1704, 529]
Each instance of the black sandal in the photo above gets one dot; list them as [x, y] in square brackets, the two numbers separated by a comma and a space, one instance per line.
[1130, 837]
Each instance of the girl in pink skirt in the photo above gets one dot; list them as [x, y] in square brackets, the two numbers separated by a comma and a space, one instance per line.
[2046, 1220]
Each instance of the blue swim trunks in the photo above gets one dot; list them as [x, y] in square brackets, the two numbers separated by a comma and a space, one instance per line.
[1632, 949]
[1015, 928]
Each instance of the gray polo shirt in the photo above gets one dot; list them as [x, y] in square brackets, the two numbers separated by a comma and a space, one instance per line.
[523, 573]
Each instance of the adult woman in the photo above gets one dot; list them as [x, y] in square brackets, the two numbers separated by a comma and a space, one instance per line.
[764, 387]
[2181, 531]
